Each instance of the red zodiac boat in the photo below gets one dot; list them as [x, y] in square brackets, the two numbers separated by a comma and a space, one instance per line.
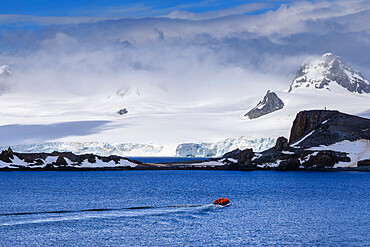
[222, 201]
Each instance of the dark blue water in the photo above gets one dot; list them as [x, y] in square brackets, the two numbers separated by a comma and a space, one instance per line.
[172, 208]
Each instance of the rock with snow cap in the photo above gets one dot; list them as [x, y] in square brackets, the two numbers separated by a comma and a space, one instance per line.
[327, 70]
[270, 103]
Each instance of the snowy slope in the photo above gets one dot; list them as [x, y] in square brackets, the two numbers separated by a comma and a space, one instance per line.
[157, 120]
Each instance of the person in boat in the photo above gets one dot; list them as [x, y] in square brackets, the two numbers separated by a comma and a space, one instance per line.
[221, 201]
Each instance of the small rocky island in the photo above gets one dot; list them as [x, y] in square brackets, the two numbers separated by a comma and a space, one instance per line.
[319, 140]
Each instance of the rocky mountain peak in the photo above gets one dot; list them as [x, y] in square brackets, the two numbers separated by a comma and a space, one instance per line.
[270, 103]
[5, 71]
[323, 72]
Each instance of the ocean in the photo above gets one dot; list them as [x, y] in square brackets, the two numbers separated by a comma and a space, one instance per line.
[174, 208]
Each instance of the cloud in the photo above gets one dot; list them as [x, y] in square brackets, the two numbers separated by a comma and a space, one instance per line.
[239, 10]
[218, 54]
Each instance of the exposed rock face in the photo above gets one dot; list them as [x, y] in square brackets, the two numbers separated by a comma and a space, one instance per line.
[325, 159]
[321, 73]
[270, 103]
[364, 163]
[7, 155]
[244, 157]
[281, 144]
[322, 127]
[122, 111]
[312, 135]
[290, 164]
[306, 121]
[61, 161]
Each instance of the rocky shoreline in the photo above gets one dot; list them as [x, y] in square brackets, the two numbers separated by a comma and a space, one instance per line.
[320, 140]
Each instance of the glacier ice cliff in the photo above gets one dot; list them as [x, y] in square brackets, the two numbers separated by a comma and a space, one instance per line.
[219, 148]
[98, 148]
[216, 149]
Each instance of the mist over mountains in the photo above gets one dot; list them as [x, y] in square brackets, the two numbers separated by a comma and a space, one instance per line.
[92, 56]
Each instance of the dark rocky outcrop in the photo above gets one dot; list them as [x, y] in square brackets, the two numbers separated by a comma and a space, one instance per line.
[7, 155]
[306, 121]
[243, 156]
[281, 144]
[364, 163]
[270, 103]
[327, 127]
[325, 159]
[61, 161]
[310, 129]
[122, 111]
[290, 164]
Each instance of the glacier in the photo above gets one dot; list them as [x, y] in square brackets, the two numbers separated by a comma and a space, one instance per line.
[97, 148]
[219, 148]
[216, 149]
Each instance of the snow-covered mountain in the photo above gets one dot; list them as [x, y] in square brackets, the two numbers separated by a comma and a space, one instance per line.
[327, 70]
[5, 71]
[159, 120]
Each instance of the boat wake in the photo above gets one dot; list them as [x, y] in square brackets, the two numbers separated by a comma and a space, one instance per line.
[21, 218]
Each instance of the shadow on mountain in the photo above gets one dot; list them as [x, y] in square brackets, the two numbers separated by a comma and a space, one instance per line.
[33, 133]
[365, 114]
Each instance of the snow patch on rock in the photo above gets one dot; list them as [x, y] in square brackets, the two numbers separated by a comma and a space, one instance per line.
[357, 151]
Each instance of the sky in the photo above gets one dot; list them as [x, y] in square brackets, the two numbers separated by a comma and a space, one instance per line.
[213, 46]
[134, 8]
